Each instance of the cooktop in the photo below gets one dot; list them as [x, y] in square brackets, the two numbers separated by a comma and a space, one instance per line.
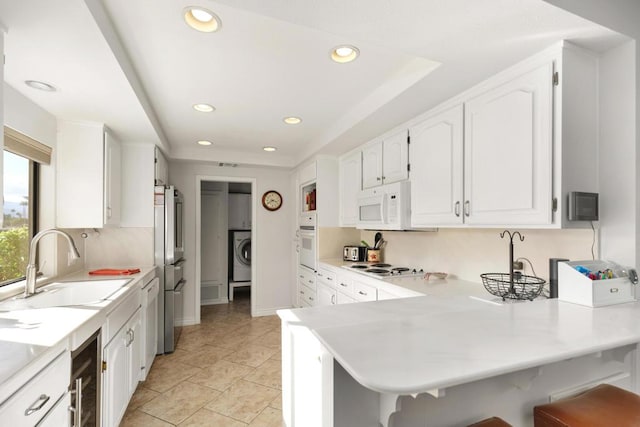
[382, 270]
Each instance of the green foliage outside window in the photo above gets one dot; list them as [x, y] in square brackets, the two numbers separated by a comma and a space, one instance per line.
[14, 248]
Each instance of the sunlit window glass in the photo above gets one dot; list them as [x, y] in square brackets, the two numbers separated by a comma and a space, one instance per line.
[15, 225]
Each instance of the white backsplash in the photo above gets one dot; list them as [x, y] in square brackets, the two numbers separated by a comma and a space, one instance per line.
[118, 247]
[331, 241]
[466, 253]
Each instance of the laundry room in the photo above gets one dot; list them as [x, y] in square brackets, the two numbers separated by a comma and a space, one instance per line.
[226, 230]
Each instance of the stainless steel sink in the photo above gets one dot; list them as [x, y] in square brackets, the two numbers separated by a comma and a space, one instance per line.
[61, 294]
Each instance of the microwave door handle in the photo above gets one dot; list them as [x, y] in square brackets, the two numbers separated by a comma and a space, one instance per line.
[383, 209]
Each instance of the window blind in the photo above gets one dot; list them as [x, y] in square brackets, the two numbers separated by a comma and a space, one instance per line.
[25, 146]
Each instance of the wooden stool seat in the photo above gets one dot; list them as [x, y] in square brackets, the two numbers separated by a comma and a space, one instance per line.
[601, 406]
[491, 422]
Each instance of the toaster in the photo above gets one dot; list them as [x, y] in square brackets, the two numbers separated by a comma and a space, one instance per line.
[354, 253]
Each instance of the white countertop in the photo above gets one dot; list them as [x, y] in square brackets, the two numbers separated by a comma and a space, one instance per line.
[25, 335]
[418, 285]
[413, 345]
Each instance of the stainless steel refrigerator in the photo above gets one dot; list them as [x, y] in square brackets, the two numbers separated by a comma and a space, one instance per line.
[169, 251]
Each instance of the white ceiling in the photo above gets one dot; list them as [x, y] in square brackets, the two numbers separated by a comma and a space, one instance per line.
[136, 66]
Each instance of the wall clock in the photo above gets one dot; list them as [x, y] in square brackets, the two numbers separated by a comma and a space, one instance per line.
[272, 200]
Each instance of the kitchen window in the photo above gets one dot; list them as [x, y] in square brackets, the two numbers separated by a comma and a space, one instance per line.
[21, 159]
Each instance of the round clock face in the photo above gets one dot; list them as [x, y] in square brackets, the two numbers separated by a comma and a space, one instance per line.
[272, 200]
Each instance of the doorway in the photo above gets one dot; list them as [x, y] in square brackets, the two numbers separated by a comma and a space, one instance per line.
[225, 241]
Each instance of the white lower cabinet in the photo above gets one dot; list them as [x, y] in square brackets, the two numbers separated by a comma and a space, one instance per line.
[364, 292]
[326, 295]
[121, 370]
[311, 381]
[39, 395]
[149, 326]
[344, 299]
[59, 414]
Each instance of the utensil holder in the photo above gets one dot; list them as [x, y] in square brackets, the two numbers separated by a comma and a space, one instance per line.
[374, 255]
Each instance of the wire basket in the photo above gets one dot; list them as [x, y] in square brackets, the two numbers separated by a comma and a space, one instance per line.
[522, 287]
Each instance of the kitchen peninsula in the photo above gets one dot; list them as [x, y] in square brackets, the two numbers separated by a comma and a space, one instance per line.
[449, 360]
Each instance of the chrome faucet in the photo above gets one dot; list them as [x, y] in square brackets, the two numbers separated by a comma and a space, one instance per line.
[32, 267]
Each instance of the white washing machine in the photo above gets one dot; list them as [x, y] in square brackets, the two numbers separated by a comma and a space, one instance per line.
[241, 256]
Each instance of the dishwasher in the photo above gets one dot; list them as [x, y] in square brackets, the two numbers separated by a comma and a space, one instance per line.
[150, 325]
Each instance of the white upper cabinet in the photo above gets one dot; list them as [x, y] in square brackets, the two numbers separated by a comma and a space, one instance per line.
[239, 211]
[350, 186]
[436, 175]
[372, 165]
[386, 161]
[88, 165]
[508, 151]
[112, 179]
[161, 173]
[395, 158]
[318, 187]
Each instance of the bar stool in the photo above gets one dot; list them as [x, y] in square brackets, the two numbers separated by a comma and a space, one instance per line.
[491, 422]
[602, 406]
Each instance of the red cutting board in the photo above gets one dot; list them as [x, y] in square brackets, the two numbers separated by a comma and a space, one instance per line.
[114, 272]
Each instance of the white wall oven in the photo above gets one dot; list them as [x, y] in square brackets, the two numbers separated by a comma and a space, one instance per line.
[307, 255]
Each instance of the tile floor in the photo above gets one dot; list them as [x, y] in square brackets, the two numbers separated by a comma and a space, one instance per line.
[225, 372]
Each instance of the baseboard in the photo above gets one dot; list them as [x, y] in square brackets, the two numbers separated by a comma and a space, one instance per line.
[214, 301]
[186, 322]
[269, 311]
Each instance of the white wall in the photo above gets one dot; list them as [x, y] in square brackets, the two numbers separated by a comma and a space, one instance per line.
[273, 260]
[617, 154]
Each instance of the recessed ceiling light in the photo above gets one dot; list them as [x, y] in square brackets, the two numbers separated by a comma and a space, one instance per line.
[35, 84]
[292, 120]
[205, 142]
[269, 148]
[203, 108]
[344, 53]
[202, 19]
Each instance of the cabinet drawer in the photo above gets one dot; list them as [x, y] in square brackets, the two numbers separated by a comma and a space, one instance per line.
[343, 298]
[326, 276]
[344, 284]
[362, 292]
[307, 278]
[120, 315]
[38, 395]
[307, 295]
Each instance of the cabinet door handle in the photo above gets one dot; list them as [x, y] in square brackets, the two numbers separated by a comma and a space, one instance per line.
[457, 208]
[343, 285]
[302, 292]
[298, 250]
[378, 178]
[37, 405]
[310, 298]
[333, 299]
[467, 208]
[310, 281]
[329, 278]
[384, 177]
[362, 293]
[301, 276]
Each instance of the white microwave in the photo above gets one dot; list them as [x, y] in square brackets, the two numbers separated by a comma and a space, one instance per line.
[386, 207]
